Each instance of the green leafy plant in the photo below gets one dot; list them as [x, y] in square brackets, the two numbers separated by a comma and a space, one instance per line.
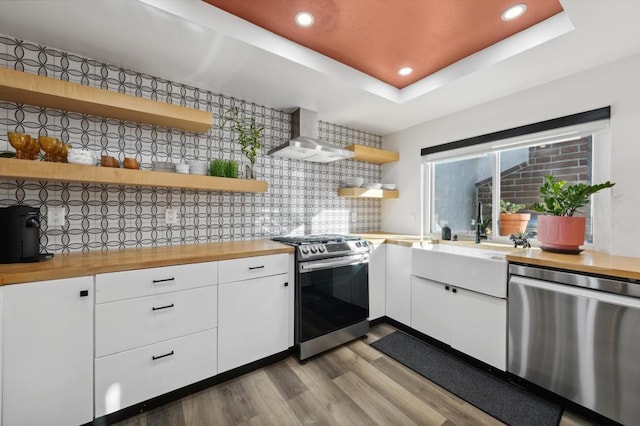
[231, 169]
[249, 135]
[509, 207]
[218, 168]
[560, 199]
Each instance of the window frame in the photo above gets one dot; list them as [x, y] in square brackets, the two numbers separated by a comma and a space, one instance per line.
[595, 123]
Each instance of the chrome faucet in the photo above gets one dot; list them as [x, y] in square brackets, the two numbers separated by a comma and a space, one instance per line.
[479, 234]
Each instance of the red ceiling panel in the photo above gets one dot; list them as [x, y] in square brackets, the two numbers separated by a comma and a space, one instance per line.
[378, 37]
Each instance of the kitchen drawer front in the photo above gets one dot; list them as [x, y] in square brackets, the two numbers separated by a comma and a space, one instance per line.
[252, 267]
[146, 282]
[130, 377]
[128, 324]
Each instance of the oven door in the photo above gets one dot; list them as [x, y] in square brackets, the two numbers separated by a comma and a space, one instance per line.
[331, 294]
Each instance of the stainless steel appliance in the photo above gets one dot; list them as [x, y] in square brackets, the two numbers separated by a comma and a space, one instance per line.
[305, 144]
[20, 235]
[331, 291]
[578, 336]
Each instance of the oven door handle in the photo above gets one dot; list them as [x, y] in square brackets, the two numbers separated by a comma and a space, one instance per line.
[318, 265]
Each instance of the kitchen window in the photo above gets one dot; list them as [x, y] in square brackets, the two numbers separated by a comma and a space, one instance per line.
[472, 179]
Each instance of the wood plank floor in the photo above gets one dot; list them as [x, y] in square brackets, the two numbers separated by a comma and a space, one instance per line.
[351, 385]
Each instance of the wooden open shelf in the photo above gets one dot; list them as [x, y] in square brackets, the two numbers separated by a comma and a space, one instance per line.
[12, 168]
[26, 88]
[367, 193]
[373, 155]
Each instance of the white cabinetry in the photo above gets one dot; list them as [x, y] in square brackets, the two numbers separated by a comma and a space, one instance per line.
[253, 305]
[377, 281]
[47, 359]
[156, 331]
[473, 323]
[398, 283]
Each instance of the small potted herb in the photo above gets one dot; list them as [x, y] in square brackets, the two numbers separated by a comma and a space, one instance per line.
[558, 228]
[511, 221]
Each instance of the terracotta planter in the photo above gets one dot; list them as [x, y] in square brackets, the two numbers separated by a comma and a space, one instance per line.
[561, 233]
[512, 223]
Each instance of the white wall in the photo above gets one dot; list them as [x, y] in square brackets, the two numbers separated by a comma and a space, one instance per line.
[616, 84]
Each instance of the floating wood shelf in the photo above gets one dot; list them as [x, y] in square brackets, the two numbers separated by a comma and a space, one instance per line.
[26, 88]
[12, 168]
[367, 193]
[373, 155]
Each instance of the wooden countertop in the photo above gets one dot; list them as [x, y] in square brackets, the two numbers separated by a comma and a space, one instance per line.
[588, 261]
[381, 237]
[97, 262]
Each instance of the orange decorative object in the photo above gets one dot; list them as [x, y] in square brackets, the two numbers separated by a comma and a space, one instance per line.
[561, 232]
[26, 147]
[54, 149]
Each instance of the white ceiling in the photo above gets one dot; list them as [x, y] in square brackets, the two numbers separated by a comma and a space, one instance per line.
[191, 42]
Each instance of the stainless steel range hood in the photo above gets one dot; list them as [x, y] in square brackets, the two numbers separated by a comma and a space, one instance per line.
[304, 143]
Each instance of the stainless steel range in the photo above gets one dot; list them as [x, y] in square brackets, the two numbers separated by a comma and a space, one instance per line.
[331, 291]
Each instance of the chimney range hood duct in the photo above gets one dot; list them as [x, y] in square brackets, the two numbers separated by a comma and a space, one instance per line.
[304, 143]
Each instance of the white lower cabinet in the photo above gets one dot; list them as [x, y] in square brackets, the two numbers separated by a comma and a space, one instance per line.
[133, 376]
[377, 281]
[47, 361]
[398, 283]
[253, 320]
[473, 323]
[156, 331]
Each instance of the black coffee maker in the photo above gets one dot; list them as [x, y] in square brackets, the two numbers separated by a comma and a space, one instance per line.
[20, 235]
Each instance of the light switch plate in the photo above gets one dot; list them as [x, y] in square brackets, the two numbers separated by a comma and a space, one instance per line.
[55, 216]
[170, 216]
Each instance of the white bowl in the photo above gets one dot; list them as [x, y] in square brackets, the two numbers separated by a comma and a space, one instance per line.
[389, 186]
[79, 160]
[354, 182]
[372, 185]
[182, 168]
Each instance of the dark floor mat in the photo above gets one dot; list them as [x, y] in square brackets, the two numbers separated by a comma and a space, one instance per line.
[499, 398]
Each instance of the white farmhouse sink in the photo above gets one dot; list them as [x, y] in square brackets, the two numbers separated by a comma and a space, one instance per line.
[474, 268]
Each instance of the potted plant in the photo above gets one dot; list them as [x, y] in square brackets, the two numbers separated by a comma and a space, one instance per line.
[249, 137]
[558, 228]
[512, 222]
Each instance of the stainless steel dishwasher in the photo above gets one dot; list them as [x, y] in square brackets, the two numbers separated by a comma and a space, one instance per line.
[578, 336]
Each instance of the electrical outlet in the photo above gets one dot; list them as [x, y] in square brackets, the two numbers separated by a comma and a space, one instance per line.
[412, 217]
[55, 216]
[170, 216]
[354, 217]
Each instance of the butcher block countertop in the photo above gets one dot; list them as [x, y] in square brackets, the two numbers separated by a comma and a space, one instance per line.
[590, 262]
[98, 262]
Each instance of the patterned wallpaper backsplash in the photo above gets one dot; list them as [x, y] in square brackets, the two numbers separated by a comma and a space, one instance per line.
[302, 196]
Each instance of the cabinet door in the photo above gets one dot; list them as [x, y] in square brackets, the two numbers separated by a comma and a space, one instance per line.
[48, 353]
[377, 282]
[398, 285]
[480, 327]
[431, 308]
[253, 320]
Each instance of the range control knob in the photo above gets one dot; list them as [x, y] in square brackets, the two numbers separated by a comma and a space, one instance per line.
[304, 250]
[313, 249]
[320, 249]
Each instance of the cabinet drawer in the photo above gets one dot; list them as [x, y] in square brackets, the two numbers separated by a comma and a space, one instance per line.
[134, 376]
[146, 282]
[252, 267]
[128, 324]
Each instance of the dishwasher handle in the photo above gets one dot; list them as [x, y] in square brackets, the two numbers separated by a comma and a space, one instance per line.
[601, 296]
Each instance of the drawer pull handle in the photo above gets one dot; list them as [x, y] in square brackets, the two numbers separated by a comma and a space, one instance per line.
[162, 307]
[455, 290]
[161, 356]
[164, 280]
[446, 287]
[251, 268]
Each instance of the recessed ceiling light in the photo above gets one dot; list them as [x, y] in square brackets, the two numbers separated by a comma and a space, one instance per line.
[304, 19]
[405, 70]
[512, 12]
